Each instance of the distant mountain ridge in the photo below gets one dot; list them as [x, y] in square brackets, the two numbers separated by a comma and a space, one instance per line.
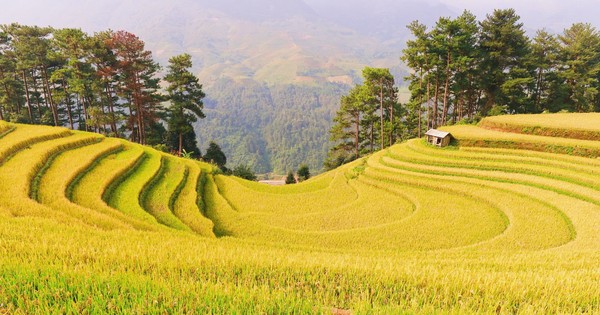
[284, 41]
[289, 59]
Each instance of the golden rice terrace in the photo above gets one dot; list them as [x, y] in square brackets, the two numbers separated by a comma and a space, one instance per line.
[506, 220]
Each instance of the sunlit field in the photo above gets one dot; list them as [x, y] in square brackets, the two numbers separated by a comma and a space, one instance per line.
[504, 221]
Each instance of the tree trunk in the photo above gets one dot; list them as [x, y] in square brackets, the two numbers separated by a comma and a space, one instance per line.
[131, 121]
[372, 131]
[446, 88]
[16, 76]
[428, 103]
[68, 104]
[38, 95]
[435, 102]
[392, 122]
[357, 130]
[50, 99]
[140, 112]
[78, 110]
[85, 113]
[104, 128]
[113, 123]
[381, 109]
[27, 97]
[180, 142]
[420, 103]
[8, 94]
[538, 98]
[140, 122]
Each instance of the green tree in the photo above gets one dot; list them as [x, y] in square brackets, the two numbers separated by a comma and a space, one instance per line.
[138, 83]
[29, 46]
[384, 97]
[215, 155]
[11, 89]
[580, 66]
[105, 86]
[290, 179]
[303, 173]
[545, 56]
[415, 55]
[185, 94]
[505, 48]
[71, 46]
[244, 171]
[346, 123]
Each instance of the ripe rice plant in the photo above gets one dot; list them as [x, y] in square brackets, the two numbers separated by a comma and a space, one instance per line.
[582, 126]
[23, 136]
[156, 196]
[505, 226]
[88, 189]
[185, 205]
[19, 172]
[125, 195]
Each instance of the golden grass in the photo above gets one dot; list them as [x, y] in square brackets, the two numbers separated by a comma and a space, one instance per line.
[186, 207]
[126, 195]
[156, 198]
[71, 266]
[567, 125]
[23, 136]
[473, 136]
[412, 229]
[18, 173]
[63, 170]
[89, 187]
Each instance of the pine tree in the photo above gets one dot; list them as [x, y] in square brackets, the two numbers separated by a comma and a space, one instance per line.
[384, 98]
[215, 155]
[138, 83]
[581, 66]
[506, 80]
[185, 94]
[290, 179]
[303, 173]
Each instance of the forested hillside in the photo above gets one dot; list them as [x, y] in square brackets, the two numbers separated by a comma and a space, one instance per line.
[276, 127]
[261, 47]
[292, 61]
[464, 69]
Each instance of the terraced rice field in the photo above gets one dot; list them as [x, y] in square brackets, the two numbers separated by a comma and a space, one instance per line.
[500, 224]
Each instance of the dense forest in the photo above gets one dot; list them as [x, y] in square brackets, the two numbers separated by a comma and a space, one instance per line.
[277, 127]
[106, 83]
[463, 70]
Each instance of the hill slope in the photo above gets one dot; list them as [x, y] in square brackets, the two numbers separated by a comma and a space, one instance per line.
[262, 47]
[477, 228]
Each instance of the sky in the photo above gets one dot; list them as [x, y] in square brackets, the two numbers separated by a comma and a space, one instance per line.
[555, 15]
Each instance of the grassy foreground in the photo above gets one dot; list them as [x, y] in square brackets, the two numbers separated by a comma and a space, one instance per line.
[99, 225]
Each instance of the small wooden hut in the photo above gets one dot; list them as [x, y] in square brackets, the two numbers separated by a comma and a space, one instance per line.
[438, 137]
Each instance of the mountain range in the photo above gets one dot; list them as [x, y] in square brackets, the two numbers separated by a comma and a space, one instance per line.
[273, 71]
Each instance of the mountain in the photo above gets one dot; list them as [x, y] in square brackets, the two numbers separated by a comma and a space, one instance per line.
[259, 48]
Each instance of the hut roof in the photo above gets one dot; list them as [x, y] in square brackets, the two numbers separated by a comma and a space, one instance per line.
[436, 133]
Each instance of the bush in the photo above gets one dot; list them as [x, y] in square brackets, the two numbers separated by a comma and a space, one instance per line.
[244, 171]
[303, 173]
[290, 179]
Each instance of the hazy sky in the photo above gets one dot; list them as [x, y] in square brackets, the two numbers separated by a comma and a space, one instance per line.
[555, 15]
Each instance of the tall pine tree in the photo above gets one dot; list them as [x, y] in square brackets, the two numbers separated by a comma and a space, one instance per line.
[185, 95]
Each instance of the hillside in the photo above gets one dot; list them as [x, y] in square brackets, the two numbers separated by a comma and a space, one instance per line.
[482, 227]
[259, 46]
